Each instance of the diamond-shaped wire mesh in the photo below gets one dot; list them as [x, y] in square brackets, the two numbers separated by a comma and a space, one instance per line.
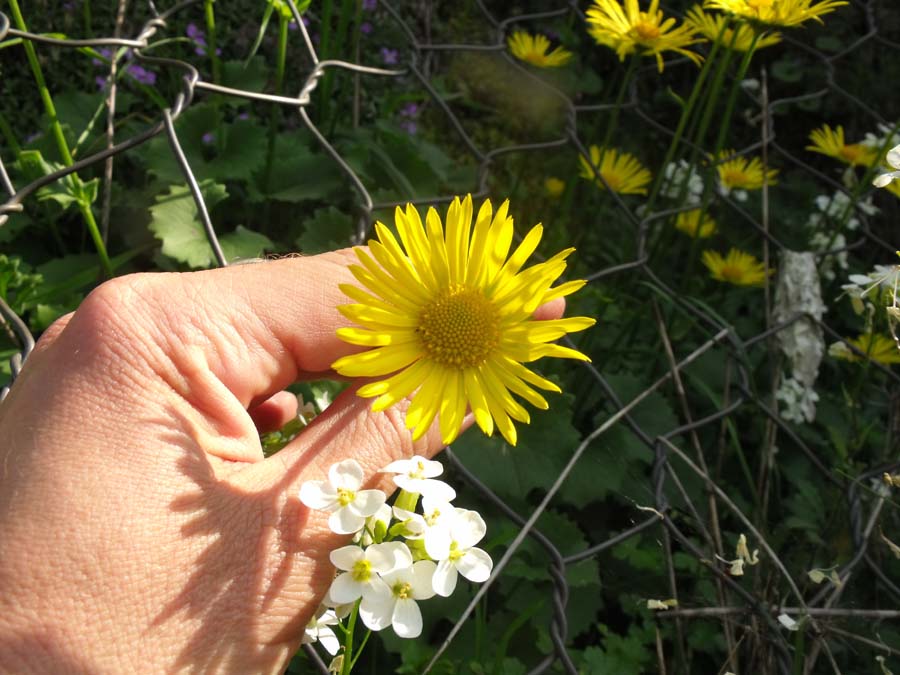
[680, 455]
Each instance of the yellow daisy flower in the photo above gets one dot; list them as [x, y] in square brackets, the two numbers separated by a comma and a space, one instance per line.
[691, 224]
[828, 141]
[880, 348]
[622, 171]
[741, 173]
[533, 49]
[739, 39]
[626, 29]
[777, 12]
[738, 268]
[449, 314]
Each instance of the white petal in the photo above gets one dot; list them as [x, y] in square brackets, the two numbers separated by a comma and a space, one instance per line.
[422, 574]
[893, 157]
[329, 640]
[437, 490]
[427, 468]
[406, 619]
[318, 494]
[444, 580]
[367, 502]
[345, 589]
[344, 521]
[377, 606]
[467, 528]
[388, 557]
[437, 542]
[346, 474]
[399, 466]
[475, 565]
[345, 557]
[885, 179]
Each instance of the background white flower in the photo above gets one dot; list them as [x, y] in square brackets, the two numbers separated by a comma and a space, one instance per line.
[417, 475]
[460, 556]
[361, 567]
[893, 158]
[319, 629]
[392, 600]
[340, 495]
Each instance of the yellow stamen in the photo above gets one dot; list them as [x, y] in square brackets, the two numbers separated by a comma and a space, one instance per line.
[362, 570]
[345, 496]
[402, 590]
[460, 328]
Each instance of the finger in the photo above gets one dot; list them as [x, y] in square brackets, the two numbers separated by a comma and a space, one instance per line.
[52, 332]
[273, 413]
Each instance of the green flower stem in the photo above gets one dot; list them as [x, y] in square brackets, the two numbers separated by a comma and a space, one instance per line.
[686, 112]
[325, 35]
[620, 96]
[712, 99]
[86, 14]
[360, 649]
[347, 664]
[210, 14]
[407, 500]
[725, 126]
[84, 204]
[275, 110]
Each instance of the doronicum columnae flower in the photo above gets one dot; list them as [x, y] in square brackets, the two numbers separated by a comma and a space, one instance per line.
[741, 173]
[622, 171]
[627, 30]
[533, 49]
[695, 223]
[777, 12]
[554, 187]
[738, 268]
[880, 348]
[739, 38]
[830, 142]
[450, 313]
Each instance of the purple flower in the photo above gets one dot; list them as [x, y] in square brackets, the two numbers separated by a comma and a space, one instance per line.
[411, 109]
[195, 33]
[208, 138]
[369, 5]
[101, 82]
[389, 56]
[105, 53]
[365, 27]
[141, 74]
[244, 116]
[409, 127]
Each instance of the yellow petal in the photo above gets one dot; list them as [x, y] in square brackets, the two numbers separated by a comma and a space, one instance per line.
[378, 361]
[475, 395]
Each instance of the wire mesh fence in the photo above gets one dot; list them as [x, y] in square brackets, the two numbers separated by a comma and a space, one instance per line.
[685, 507]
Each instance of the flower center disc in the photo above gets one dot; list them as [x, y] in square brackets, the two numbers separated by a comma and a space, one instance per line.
[459, 328]
[646, 31]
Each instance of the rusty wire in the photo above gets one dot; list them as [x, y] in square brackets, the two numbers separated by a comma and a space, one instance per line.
[756, 611]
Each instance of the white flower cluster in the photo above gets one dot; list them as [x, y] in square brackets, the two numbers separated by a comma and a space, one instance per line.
[683, 178]
[399, 555]
[893, 158]
[799, 401]
[838, 208]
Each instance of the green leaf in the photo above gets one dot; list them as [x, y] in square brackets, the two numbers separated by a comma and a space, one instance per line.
[174, 220]
[250, 76]
[327, 230]
[242, 152]
[542, 451]
[298, 173]
[244, 244]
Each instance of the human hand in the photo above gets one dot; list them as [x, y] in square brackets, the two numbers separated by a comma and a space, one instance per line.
[141, 527]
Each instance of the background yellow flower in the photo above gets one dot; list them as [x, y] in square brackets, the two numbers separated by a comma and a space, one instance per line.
[626, 29]
[691, 223]
[622, 171]
[711, 26]
[777, 12]
[830, 142]
[738, 268]
[533, 49]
